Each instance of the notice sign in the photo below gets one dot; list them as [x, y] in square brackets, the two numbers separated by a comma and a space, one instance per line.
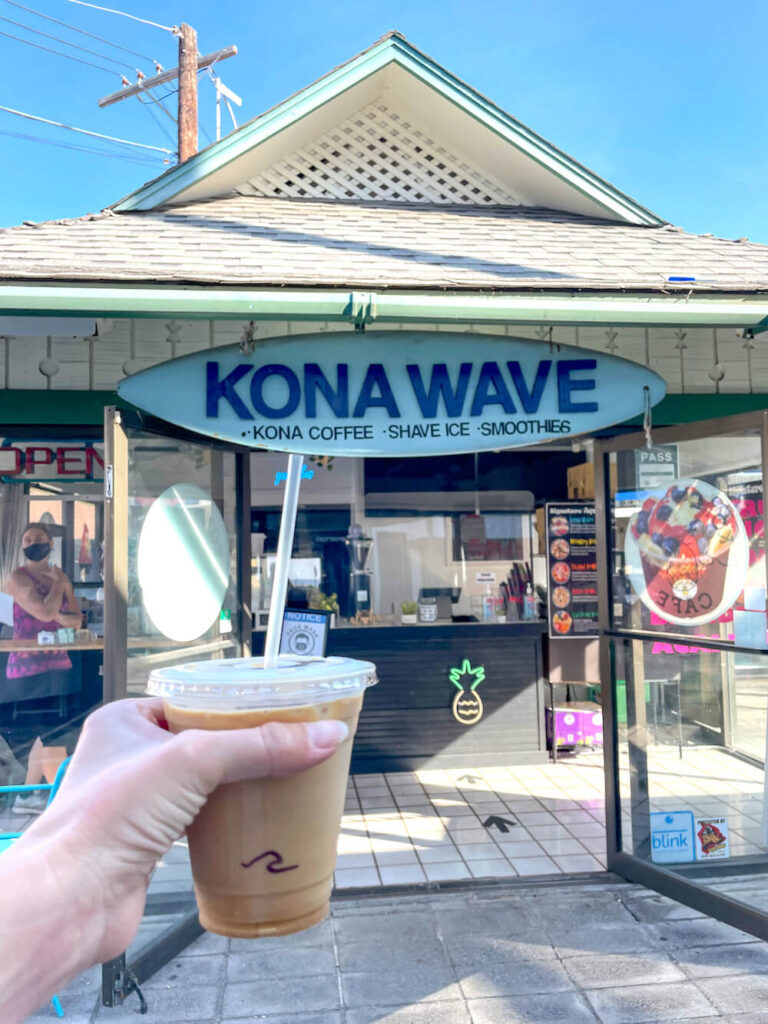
[304, 633]
[656, 467]
[572, 569]
[672, 837]
[485, 577]
[711, 838]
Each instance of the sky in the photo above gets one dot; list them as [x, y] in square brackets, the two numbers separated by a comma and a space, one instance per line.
[666, 100]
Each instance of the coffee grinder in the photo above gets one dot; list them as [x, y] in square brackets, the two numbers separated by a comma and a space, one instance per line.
[359, 548]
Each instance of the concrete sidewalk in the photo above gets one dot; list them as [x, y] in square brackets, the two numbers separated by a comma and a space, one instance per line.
[602, 952]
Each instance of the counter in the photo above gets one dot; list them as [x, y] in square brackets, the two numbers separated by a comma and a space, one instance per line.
[408, 720]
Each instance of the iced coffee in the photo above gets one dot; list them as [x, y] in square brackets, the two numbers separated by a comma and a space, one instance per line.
[263, 851]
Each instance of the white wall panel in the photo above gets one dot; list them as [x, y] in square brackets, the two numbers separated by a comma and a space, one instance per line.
[733, 357]
[759, 360]
[664, 357]
[698, 358]
[73, 358]
[108, 359]
[180, 337]
[109, 354]
[25, 356]
[227, 332]
[101, 363]
[625, 342]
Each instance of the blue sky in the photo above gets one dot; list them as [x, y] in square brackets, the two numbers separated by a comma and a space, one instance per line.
[665, 100]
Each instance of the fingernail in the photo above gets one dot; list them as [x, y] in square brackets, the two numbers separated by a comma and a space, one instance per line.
[327, 734]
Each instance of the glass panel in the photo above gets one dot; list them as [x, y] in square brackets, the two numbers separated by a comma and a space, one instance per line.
[46, 690]
[182, 572]
[689, 546]
[182, 599]
[691, 731]
[492, 537]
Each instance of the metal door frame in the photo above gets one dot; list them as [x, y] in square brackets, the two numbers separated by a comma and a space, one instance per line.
[680, 885]
[120, 977]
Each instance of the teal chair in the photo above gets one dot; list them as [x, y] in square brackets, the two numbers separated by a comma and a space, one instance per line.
[6, 838]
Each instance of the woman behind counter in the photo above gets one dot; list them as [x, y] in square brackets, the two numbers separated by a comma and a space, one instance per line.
[43, 600]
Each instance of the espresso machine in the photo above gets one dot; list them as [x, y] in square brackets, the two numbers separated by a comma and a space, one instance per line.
[359, 547]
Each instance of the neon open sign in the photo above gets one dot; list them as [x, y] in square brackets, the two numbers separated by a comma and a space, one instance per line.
[39, 461]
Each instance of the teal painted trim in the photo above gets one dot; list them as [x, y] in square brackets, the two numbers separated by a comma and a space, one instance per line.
[342, 306]
[674, 410]
[55, 408]
[564, 310]
[562, 165]
[391, 49]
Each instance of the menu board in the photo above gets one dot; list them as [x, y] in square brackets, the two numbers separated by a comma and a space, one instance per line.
[572, 569]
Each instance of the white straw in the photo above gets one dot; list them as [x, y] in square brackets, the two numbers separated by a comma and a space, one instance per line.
[284, 549]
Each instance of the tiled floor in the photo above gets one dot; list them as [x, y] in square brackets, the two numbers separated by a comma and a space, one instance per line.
[448, 825]
[709, 782]
[441, 825]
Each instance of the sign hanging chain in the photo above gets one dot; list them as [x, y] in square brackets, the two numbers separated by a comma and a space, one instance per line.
[647, 416]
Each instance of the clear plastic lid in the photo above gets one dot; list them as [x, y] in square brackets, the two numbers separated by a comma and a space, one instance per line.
[246, 684]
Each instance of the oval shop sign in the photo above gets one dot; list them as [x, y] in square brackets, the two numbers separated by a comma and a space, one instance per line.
[394, 392]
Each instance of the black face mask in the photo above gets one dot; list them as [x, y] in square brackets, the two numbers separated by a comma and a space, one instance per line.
[37, 552]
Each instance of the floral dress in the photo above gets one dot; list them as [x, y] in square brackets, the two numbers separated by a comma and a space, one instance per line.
[26, 627]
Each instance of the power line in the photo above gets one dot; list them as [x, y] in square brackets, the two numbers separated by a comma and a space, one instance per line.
[134, 158]
[157, 121]
[82, 31]
[161, 105]
[58, 53]
[110, 10]
[83, 131]
[167, 95]
[57, 39]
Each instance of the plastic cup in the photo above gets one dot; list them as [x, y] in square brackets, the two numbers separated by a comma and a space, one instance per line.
[263, 851]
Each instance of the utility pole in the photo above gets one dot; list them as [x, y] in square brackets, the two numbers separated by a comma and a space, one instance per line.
[187, 92]
[190, 62]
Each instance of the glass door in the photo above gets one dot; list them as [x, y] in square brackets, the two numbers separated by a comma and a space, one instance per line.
[177, 518]
[684, 647]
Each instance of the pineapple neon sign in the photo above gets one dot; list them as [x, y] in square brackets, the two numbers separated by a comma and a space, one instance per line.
[467, 705]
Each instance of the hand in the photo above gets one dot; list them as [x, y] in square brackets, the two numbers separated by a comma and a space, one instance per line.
[58, 578]
[131, 790]
[71, 619]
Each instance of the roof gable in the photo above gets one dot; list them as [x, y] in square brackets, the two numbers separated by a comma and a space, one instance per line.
[391, 124]
[378, 154]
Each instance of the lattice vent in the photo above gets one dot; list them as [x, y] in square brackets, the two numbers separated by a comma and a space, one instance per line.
[379, 155]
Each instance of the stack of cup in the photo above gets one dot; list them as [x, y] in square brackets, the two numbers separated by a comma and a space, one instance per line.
[263, 851]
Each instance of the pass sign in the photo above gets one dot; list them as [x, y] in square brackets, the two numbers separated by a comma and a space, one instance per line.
[394, 392]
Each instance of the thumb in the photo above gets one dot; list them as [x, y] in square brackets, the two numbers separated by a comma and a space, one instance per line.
[276, 748]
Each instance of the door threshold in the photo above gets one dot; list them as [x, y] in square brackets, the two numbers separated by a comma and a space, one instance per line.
[489, 885]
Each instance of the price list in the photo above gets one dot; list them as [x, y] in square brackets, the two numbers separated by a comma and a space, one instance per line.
[572, 569]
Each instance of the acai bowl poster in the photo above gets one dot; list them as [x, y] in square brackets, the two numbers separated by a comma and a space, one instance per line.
[687, 552]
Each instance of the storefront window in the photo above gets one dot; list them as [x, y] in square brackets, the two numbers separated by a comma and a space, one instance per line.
[46, 689]
[689, 545]
[182, 548]
[688, 794]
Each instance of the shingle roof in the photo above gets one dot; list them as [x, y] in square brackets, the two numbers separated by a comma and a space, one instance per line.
[245, 240]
